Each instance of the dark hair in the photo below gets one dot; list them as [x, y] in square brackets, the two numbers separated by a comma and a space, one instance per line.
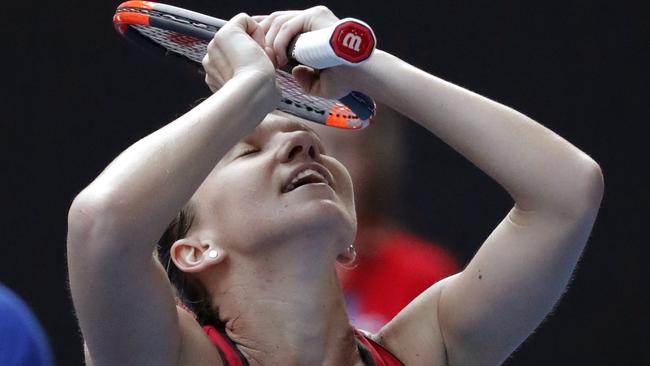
[189, 291]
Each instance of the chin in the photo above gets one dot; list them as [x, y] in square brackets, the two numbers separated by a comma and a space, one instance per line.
[327, 217]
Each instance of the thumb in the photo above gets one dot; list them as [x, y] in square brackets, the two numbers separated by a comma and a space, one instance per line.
[307, 78]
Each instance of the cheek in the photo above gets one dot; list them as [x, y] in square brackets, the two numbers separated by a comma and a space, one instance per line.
[233, 198]
[345, 186]
[343, 178]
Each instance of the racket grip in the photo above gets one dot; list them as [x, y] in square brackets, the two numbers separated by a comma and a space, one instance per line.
[347, 42]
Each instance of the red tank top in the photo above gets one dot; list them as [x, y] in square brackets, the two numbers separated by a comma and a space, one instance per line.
[371, 352]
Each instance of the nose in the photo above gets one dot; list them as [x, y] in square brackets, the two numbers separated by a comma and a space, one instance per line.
[299, 145]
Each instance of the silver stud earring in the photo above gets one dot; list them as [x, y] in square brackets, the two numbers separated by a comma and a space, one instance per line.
[213, 254]
[351, 261]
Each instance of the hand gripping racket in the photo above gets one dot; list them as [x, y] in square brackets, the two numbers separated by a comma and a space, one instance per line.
[186, 33]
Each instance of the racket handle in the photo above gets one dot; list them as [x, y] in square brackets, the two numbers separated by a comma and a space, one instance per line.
[347, 42]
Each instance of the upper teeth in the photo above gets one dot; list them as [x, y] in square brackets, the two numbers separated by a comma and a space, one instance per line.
[303, 174]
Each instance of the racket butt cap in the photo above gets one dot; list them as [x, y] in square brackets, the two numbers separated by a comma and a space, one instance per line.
[347, 42]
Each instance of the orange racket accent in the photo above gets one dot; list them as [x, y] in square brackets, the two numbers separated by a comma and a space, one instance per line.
[123, 19]
[185, 33]
[137, 4]
[339, 116]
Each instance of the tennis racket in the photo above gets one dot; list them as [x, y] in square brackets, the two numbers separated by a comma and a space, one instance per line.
[186, 34]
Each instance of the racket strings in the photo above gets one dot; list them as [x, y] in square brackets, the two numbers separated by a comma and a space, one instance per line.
[293, 92]
[190, 47]
[293, 101]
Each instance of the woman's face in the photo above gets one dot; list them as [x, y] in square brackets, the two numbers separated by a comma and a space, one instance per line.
[277, 184]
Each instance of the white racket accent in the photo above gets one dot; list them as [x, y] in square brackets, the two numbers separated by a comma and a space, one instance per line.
[347, 42]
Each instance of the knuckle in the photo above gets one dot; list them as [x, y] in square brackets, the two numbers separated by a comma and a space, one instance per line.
[217, 40]
[321, 9]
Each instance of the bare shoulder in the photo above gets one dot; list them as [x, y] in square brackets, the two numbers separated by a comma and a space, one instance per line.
[196, 348]
[414, 335]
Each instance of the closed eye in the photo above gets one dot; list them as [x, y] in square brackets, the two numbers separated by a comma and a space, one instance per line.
[248, 152]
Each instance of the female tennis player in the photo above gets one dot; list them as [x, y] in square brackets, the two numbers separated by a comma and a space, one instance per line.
[265, 215]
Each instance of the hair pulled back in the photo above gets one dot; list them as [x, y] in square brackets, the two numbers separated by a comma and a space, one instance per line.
[189, 291]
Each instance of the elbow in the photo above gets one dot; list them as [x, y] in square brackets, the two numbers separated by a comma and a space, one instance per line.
[596, 182]
[587, 190]
[85, 209]
[593, 183]
[89, 218]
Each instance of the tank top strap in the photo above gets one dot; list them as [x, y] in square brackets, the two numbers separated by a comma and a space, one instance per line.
[227, 349]
[372, 353]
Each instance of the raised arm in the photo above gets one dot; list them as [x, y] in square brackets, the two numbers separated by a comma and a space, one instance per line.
[521, 270]
[122, 297]
[479, 316]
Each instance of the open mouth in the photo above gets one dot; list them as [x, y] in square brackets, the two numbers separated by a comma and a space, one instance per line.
[304, 177]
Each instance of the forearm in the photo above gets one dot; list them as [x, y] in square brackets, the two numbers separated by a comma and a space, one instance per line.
[519, 272]
[146, 185]
[538, 168]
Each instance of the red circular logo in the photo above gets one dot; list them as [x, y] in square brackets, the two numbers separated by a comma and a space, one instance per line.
[352, 41]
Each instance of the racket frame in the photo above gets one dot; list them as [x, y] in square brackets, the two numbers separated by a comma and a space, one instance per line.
[354, 111]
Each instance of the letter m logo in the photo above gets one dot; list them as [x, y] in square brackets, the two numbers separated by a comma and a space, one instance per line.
[352, 41]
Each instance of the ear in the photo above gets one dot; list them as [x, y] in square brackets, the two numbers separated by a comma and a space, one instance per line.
[193, 255]
[348, 259]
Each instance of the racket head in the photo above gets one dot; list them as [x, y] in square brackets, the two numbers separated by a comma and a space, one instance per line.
[171, 30]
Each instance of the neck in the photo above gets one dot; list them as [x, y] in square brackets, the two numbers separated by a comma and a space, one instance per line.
[287, 308]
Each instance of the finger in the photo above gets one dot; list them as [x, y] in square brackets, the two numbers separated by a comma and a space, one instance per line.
[238, 20]
[284, 30]
[287, 32]
[246, 23]
[258, 37]
[276, 25]
[255, 31]
[268, 21]
[259, 18]
[306, 77]
[243, 21]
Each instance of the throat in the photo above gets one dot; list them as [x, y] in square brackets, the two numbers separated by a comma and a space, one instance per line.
[291, 322]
